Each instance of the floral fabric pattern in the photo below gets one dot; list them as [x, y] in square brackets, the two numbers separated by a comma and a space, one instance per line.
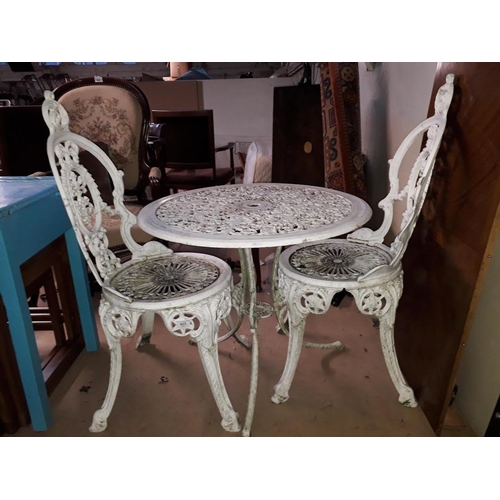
[344, 163]
[107, 119]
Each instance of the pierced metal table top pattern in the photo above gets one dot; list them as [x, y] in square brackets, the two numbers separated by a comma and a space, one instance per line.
[255, 215]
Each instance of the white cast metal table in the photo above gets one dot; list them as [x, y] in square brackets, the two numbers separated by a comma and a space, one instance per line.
[253, 216]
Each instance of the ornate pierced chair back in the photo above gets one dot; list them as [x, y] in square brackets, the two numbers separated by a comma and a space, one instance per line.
[81, 196]
[113, 112]
[416, 188]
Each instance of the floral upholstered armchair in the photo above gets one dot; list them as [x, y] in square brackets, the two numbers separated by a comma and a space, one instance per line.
[116, 113]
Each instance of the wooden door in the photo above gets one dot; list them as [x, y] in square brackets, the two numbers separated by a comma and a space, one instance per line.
[448, 255]
[298, 136]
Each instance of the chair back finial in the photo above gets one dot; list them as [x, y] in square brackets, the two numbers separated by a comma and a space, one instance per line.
[81, 196]
[416, 188]
[55, 116]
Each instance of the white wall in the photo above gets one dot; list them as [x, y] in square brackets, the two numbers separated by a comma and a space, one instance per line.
[479, 376]
[394, 98]
[243, 108]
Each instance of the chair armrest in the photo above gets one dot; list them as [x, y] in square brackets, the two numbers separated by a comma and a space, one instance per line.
[229, 145]
[155, 183]
[154, 173]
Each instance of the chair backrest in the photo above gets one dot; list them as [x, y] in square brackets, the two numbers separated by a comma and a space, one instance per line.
[115, 112]
[418, 182]
[81, 196]
[189, 138]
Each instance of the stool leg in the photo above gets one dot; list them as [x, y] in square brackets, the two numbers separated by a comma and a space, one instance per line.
[23, 339]
[147, 319]
[82, 291]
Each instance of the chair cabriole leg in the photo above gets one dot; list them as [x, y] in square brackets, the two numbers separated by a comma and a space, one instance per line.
[382, 302]
[297, 323]
[148, 319]
[209, 355]
[116, 323]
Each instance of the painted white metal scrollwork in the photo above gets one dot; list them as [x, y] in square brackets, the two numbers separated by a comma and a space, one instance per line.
[310, 274]
[253, 215]
[418, 183]
[243, 210]
[190, 291]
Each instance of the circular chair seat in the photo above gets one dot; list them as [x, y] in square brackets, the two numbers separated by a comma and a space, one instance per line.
[333, 261]
[171, 277]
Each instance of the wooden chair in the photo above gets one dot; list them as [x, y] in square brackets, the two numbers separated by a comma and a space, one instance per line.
[312, 273]
[115, 112]
[191, 292]
[188, 155]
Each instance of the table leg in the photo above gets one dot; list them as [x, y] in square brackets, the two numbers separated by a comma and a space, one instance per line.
[25, 348]
[82, 291]
[239, 297]
[248, 268]
[278, 299]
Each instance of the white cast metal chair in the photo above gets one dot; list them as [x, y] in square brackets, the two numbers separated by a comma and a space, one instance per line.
[311, 274]
[190, 291]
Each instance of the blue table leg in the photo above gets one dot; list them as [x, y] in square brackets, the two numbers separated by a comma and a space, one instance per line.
[82, 290]
[25, 348]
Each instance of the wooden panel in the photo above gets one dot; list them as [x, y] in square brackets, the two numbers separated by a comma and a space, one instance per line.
[447, 256]
[173, 96]
[23, 140]
[298, 136]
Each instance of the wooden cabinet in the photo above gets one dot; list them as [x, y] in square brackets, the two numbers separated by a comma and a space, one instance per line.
[448, 255]
[298, 136]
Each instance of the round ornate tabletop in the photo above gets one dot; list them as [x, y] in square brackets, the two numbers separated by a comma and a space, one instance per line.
[253, 215]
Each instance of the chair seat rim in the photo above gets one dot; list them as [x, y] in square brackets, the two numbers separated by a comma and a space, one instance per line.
[221, 283]
[327, 282]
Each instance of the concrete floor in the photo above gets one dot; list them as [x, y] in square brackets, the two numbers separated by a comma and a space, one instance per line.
[164, 392]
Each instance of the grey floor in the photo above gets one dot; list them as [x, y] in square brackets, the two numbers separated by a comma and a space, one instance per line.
[164, 392]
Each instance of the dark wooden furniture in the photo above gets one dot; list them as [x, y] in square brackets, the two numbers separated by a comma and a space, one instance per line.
[13, 408]
[298, 136]
[447, 258]
[23, 140]
[188, 152]
[493, 429]
[118, 114]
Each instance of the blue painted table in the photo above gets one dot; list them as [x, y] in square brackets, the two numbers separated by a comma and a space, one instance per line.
[32, 215]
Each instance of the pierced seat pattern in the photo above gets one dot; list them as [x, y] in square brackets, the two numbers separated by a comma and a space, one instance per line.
[338, 260]
[191, 292]
[164, 278]
[311, 274]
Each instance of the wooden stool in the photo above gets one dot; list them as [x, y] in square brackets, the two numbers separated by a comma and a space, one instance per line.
[36, 239]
